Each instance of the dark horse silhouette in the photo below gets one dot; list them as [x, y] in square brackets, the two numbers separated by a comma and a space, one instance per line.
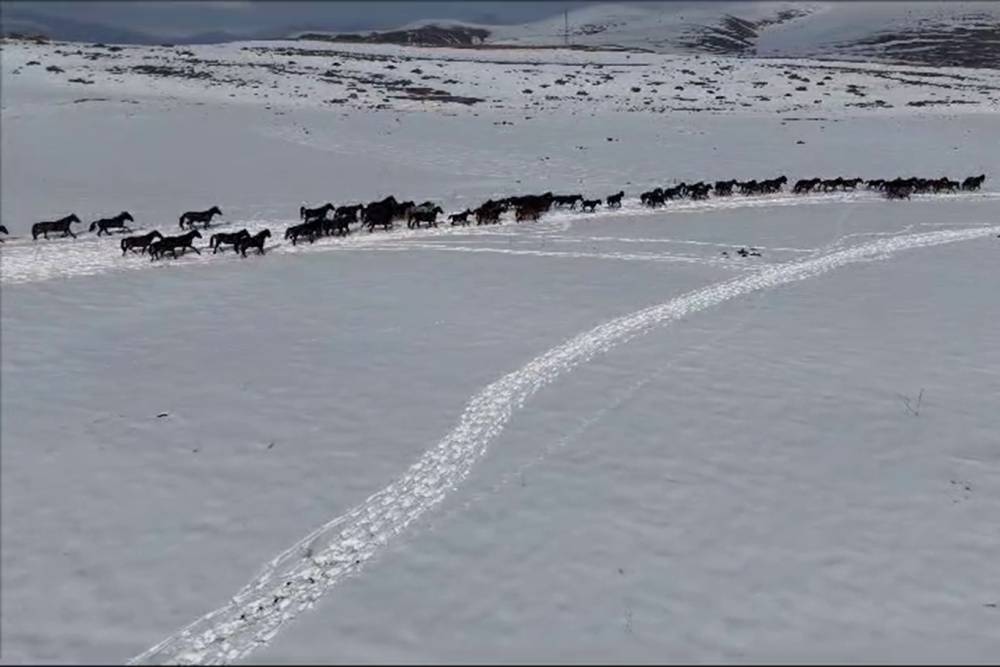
[118, 222]
[3, 230]
[489, 213]
[310, 229]
[204, 217]
[615, 200]
[61, 225]
[216, 240]
[589, 204]
[348, 213]
[158, 248]
[973, 183]
[341, 223]
[255, 241]
[564, 200]
[460, 218]
[380, 214]
[529, 211]
[423, 213]
[141, 242]
[319, 212]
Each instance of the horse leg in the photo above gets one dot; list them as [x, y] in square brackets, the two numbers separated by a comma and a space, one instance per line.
[195, 249]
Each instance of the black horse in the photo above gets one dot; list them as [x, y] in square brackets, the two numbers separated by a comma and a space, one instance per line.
[141, 242]
[652, 198]
[460, 218]
[311, 213]
[310, 229]
[233, 238]
[380, 214]
[423, 214]
[589, 204]
[725, 188]
[255, 241]
[699, 190]
[118, 222]
[61, 225]
[615, 200]
[898, 192]
[348, 213]
[973, 183]
[803, 186]
[340, 225]
[204, 217]
[564, 200]
[158, 248]
[3, 230]
[530, 210]
[489, 213]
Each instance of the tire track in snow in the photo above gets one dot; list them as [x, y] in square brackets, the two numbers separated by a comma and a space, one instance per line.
[293, 581]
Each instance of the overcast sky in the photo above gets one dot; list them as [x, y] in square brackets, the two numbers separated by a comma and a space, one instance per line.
[181, 18]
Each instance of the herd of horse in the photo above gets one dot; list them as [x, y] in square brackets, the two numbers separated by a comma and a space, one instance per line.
[330, 220]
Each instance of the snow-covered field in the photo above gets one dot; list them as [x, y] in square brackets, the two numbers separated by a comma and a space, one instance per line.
[593, 437]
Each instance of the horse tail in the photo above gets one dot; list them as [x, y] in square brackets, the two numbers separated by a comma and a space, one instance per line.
[93, 225]
[123, 244]
[302, 212]
[181, 225]
[212, 240]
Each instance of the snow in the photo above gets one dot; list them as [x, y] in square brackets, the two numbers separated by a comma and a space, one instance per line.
[588, 438]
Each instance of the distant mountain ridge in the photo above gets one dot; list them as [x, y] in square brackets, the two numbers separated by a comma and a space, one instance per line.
[960, 34]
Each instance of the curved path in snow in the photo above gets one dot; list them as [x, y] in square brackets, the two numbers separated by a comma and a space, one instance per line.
[294, 580]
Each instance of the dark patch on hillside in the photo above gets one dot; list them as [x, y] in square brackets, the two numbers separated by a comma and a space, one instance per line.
[431, 35]
[733, 35]
[974, 44]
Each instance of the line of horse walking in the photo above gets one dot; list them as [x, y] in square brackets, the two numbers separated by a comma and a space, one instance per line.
[330, 220]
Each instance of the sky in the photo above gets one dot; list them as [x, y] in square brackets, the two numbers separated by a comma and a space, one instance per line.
[179, 18]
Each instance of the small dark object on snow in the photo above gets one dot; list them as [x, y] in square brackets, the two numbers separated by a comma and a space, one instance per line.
[162, 414]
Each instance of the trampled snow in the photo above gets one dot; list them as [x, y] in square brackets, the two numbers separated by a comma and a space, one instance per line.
[592, 437]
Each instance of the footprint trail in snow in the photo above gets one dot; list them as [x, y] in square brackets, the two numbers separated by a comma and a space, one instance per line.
[292, 582]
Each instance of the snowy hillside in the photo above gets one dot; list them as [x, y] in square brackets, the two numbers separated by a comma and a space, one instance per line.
[927, 33]
[594, 436]
[924, 33]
